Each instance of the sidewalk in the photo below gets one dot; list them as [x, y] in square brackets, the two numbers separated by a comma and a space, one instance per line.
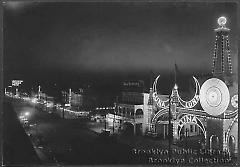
[17, 147]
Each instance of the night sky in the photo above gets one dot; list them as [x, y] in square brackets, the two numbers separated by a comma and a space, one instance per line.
[105, 43]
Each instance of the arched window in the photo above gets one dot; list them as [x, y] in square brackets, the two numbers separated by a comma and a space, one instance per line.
[214, 142]
[139, 112]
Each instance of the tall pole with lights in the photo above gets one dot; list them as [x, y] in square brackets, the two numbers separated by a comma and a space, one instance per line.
[169, 127]
[115, 109]
[39, 92]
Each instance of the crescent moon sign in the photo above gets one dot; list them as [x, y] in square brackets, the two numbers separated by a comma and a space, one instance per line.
[195, 100]
[160, 103]
[214, 96]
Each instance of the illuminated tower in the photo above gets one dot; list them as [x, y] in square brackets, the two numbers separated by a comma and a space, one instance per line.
[222, 67]
[174, 95]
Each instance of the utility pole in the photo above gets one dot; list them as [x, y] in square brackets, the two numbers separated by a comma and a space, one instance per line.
[115, 109]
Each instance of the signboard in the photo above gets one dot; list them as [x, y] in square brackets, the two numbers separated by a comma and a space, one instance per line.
[16, 82]
[159, 102]
[133, 83]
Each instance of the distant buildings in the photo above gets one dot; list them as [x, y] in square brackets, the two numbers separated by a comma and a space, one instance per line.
[78, 99]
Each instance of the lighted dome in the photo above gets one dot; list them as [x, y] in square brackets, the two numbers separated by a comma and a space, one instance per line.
[175, 86]
[222, 21]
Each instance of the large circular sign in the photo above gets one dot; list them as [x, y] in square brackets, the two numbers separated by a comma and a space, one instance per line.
[222, 21]
[234, 101]
[214, 96]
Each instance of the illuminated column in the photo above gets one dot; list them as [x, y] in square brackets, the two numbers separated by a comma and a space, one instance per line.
[39, 91]
[175, 131]
[70, 95]
[225, 147]
[224, 135]
[17, 92]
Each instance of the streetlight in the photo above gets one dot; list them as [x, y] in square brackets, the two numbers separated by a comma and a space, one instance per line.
[26, 114]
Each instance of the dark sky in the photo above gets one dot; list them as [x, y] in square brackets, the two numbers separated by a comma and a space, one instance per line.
[107, 42]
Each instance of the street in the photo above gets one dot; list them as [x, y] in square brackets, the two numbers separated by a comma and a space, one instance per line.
[69, 141]
[78, 141]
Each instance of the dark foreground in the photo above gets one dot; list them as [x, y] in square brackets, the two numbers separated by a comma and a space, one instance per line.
[17, 147]
[52, 140]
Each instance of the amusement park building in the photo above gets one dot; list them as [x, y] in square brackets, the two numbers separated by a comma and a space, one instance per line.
[216, 119]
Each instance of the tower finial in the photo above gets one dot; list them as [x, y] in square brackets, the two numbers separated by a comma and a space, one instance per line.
[222, 21]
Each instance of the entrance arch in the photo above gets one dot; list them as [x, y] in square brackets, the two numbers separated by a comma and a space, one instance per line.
[190, 119]
[159, 114]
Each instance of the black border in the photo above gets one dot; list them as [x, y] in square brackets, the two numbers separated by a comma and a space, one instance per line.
[114, 1]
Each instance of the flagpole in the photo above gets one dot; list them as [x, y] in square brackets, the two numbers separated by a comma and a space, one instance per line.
[175, 72]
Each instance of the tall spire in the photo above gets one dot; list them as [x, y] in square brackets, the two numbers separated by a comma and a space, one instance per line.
[222, 67]
[151, 78]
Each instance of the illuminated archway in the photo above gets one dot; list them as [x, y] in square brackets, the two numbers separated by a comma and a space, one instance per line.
[186, 119]
[158, 114]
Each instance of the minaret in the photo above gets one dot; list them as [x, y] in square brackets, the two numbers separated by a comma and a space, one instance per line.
[222, 67]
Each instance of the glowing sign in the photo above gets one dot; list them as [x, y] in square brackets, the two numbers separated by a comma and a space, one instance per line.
[133, 83]
[156, 98]
[214, 96]
[191, 119]
[192, 103]
[222, 21]
[195, 100]
[234, 101]
[187, 119]
[160, 103]
[16, 82]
